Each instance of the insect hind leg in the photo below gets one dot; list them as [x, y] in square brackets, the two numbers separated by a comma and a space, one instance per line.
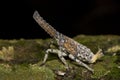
[80, 63]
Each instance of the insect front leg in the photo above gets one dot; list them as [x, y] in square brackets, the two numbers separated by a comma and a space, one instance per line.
[52, 42]
[61, 57]
[59, 52]
[45, 57]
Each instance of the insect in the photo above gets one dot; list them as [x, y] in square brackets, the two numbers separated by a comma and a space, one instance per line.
[67, 46]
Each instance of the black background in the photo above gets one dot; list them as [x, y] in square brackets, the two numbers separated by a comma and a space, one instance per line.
[70, 17]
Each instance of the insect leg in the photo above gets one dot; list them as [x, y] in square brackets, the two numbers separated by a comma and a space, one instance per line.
[80, 62]
[60, 55]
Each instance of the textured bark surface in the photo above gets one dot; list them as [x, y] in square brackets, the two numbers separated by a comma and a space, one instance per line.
[20, 59]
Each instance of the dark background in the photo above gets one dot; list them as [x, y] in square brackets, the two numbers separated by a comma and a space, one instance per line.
[70, 17]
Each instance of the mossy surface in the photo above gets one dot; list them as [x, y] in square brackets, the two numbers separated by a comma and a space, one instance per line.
[22, 62]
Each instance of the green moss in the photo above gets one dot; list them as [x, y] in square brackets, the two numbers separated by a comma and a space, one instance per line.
[114, 74]
[32, 52]
[55, 64]
[21, 72]
[44, 73]
[105, 67]
[99, 71]
[5, 68]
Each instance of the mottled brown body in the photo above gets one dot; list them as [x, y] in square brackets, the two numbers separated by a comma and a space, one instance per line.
[78, 50]
[67, 46]
[70, 47]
